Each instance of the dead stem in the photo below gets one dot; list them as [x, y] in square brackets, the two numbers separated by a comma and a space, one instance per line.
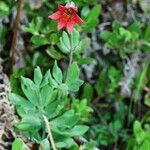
[15, 31]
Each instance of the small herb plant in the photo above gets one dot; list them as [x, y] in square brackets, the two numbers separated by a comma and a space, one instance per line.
[46, 101]
[46, 107]
[126, 40]
[141, 138]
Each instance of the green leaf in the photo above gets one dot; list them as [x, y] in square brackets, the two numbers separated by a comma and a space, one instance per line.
[54, 108]
[53, 82]
[3, 32]
[65, 142]
[54, 53]
[63, 89]
[78, 130]
[138, 132]
[116, 25]
[45, 145]
[75, 131]
[74, 86]
[147, 33]
[145, 46]
[102, 84]
[23, 111]
[105, 35]
[72, 79]
[147, 100]
[4, 9]
[30, 91]
[63, 47]
[92, 18]
[114, 76]
[57, 73]
[45, 80]
[54, 38]
[82, 109]
[95, 12]
[85, 11]
[78, 47]
[145, 145]
[38, 76]
[73, 72]
[125, 33]
[135, 27]
[46, 94]
[18, 144]
[34, 26]
[86, 42]
[116, 125]
[29, 123]
[83, 61]
[20, 101]
[38, 41]
[66, 40]
[90, 145]
[131, 144]
[88, 92]
[75, 39]
[67, 120]
[3, 6]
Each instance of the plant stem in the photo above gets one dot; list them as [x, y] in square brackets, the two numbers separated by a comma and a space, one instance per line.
[135, 96]
[81, 147]
[49, 133]
[15, 32]
[70, 58]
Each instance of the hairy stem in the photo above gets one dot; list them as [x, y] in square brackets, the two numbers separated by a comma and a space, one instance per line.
[49, 133]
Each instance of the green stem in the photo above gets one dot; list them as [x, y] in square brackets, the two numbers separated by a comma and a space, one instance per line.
[135, 96]
[70, 58]
[70, 61]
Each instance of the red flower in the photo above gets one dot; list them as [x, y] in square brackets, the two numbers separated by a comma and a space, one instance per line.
[67, 16]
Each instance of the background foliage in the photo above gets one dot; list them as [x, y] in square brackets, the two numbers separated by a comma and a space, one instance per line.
[102, 96]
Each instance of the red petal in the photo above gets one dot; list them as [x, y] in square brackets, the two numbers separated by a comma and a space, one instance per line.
[61, 24]
[61, 8]
[70, 26]
[55, 16]
[78, 19]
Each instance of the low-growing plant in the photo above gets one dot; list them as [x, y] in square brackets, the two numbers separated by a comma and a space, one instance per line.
[126, 40]
[46, 107]
[141, 138]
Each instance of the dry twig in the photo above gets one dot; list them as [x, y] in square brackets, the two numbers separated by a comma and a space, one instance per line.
[15, 31]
